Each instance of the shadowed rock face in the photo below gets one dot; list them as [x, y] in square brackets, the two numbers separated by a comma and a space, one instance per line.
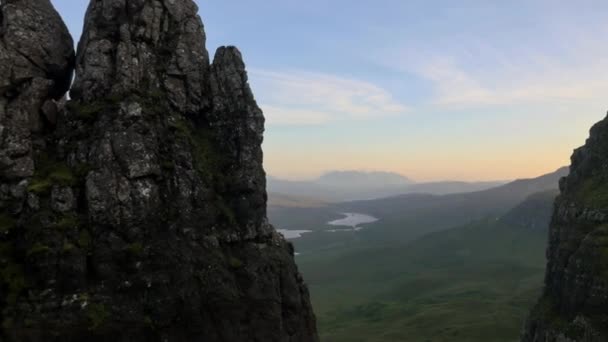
[574, 306]
[143, 44]
[36, 61]
[136, 211]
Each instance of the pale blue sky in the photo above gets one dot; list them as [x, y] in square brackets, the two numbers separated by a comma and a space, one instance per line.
[444, 89]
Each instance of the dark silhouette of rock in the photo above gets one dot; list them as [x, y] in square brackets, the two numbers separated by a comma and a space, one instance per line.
[136, 211]
[574, 305]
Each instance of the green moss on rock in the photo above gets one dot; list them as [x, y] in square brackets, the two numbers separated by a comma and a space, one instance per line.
[208, 162]
[235, 262]
[226, 212]
[68, 247]
[13, 278]
[97, 315]
[206, 159]
[84, 239]
[90, 111]
[82, 170]
[67, 221]
[40, 186]
[593, 192]
[547, 311]
[135, 249]
[38, 249]
[48, 173]
[7, 223]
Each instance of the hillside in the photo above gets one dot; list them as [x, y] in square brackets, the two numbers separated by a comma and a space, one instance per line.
[355, 185]
[276, 200]
[421, 213]
[360, 179]
[470, 284]
[533, 213]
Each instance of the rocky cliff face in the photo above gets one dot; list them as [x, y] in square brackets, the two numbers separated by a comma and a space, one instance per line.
[574, 306]
[136, 211]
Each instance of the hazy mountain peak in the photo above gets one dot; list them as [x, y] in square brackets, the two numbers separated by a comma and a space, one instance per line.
[363, 178]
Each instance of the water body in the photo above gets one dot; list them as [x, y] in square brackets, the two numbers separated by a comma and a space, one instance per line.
[293, 234]
[352, 221]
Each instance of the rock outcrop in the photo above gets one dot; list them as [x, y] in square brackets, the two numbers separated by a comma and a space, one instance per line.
[135, 211]
[574, 305]
[36, 62]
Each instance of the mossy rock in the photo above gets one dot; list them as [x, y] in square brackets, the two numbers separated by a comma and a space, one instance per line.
[67, 222]
[593, 193]
[168, 165]
[235, 262]
[38, 249]
[7, 223]
[48, 173]
[135, 249]
[82, 170]
[97, 315]
[206, 159]
[90, 111]
[62, 175]
[181, 127]
[14, 279]
[208, 163]
[40, 186]
[84, 239]
[68, 247]
[226, 212]
[548, 312]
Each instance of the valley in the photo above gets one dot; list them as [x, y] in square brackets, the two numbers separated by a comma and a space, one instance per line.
[355, 172]
[456, 267]
[474, 283]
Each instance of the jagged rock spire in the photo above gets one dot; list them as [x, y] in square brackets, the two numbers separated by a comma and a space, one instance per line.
[137, 44]
[143, 213]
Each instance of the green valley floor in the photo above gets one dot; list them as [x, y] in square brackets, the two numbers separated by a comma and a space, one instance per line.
[474, 283]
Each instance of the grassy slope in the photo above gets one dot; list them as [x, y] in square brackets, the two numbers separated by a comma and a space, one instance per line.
[474, 283]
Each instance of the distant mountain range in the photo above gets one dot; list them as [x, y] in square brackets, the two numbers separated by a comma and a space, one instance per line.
[374, 179]
[524, 202]
[340, 186]
[287, 201]
[433, 212]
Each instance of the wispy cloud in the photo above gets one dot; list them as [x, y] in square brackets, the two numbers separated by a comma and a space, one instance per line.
[469, 73]
[307, 98]
[457, 86]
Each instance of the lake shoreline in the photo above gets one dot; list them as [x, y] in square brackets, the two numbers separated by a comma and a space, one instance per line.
[351, 222]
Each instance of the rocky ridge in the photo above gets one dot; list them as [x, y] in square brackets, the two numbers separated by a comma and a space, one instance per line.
[573, 307]
[135, 211]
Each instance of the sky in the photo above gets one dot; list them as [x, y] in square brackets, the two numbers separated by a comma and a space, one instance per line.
[431, 89]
